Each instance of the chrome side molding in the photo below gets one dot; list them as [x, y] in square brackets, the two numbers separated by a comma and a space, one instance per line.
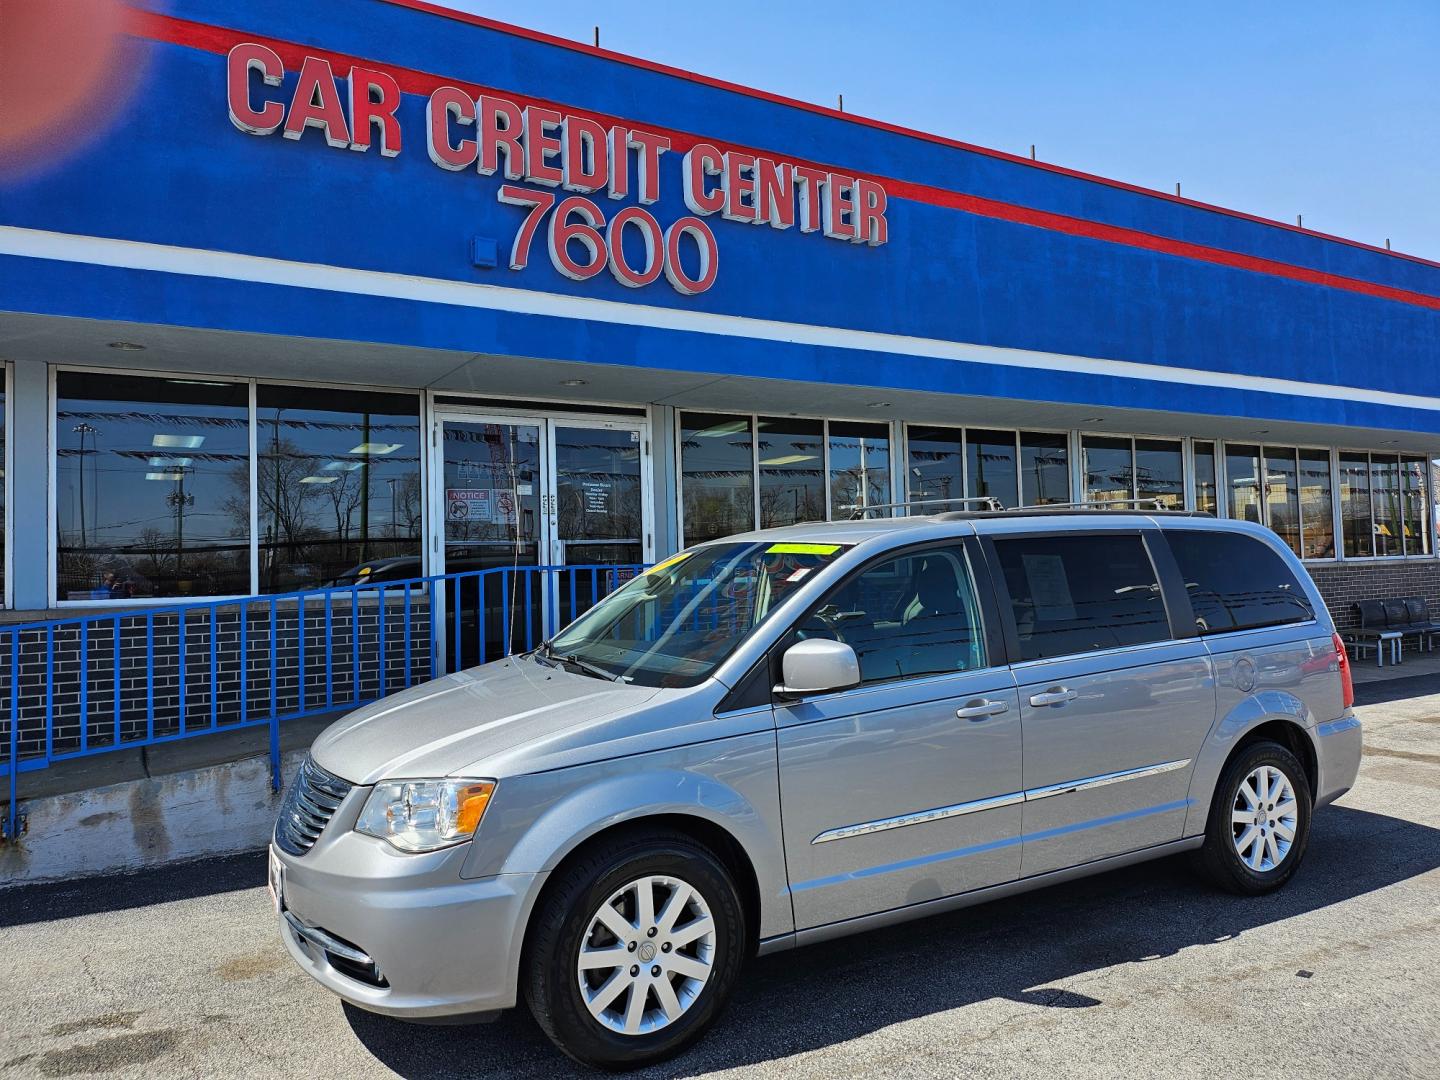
[938, 814]
[1104, 779]
[995, 802]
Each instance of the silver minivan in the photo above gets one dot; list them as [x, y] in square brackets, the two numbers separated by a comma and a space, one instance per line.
[790, 735]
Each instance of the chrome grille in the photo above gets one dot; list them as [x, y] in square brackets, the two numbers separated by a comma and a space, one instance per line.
[308, 805]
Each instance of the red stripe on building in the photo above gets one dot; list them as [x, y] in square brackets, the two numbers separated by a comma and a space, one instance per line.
[883, 125]
[215, 39]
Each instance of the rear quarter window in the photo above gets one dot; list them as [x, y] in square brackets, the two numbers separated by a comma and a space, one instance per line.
[1077, 594]
[1236, 582]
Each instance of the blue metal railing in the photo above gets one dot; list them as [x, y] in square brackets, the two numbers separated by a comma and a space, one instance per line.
[99, 682]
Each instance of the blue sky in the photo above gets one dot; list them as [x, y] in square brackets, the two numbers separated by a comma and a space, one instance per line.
[1327, 109]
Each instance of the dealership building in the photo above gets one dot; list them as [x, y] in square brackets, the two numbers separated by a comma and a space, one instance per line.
[346, 287]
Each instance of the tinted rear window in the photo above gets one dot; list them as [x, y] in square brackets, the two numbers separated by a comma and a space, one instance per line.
[1237, 582]
[1076, 594]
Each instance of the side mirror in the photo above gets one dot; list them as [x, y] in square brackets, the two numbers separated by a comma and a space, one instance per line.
[817, 666]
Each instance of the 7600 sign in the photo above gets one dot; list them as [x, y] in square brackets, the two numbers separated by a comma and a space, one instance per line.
[541, 144]
[577, 222]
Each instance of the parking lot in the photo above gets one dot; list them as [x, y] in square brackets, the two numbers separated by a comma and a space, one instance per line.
[1141, 972]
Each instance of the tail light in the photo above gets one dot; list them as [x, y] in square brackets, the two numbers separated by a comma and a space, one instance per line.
[1347, 681]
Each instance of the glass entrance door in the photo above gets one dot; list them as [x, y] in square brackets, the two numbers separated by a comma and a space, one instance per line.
[492, 520]
[600, 511]
[517, 493]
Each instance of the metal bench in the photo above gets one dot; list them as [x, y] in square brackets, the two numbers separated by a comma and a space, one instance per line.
[1357, 641]
[1385, 624]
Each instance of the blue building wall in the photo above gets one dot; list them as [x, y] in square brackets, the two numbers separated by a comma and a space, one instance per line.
[174, 171]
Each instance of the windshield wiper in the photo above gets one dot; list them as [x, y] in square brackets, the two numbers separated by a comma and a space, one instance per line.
[589, 668]
[584, 665]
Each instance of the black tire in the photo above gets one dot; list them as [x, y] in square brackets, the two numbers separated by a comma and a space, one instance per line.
[563, 918]
[1218, 859]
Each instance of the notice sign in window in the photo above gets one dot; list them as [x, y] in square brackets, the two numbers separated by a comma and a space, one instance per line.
[488, 505]
[596, 494]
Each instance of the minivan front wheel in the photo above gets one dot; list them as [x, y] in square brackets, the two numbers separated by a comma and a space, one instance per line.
[1259, 821]
[635, 949]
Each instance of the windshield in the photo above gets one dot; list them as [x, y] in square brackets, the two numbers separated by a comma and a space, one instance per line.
[673, 624]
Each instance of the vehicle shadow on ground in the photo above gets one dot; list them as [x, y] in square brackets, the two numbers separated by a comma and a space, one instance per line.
[809, 998]
[119, 892]
[1408, 686]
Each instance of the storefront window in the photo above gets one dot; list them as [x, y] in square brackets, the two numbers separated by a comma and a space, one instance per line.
[1044, 468]
[1434, 473]
[1123, 469]
[859, 466]
[1286, 489]
[1356, 523]
[717, 470]
[1160, 472]
[1282, 495]
[152, 487]
[792, 472]
[1242, 479]
[1109, 469]
[990, 459]
[1416, 506]
[1317, 522]
[1385, 498]
[936, 469]
[1205, 490]
[337, 484]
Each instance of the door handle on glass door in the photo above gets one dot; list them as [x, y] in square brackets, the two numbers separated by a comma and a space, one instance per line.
[980, 708]
[1056, 695]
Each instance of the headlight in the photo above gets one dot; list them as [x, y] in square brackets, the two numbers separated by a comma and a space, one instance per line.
[425, 815]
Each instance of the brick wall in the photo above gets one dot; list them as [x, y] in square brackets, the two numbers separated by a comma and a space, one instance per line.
[1342, 584]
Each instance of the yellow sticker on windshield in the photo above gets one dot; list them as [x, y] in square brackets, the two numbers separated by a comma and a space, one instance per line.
[665, 565]
[802, 549]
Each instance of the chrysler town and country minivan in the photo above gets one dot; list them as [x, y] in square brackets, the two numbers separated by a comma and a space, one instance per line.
[794, 734]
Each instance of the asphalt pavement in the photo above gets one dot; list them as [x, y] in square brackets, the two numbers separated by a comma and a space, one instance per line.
[1142, 972]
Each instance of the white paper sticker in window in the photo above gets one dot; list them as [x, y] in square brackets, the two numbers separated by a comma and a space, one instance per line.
[1049, 587]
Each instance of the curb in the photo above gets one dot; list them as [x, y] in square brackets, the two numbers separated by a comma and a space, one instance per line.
[151, 821]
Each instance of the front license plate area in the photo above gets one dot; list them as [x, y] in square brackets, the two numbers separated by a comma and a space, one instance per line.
[276, 883]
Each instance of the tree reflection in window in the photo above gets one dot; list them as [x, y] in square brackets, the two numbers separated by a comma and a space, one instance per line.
[337, 485]
[145, 495]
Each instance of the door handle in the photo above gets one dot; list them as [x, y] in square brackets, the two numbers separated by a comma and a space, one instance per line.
[980, 708]
[1056, 695]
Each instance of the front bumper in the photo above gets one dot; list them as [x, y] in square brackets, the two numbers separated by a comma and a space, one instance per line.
[1338, 744]
[400, 934]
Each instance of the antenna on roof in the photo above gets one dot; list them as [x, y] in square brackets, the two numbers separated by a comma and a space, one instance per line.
[1032, 151]
[842, 102]
[1300, 220]
[597, 37]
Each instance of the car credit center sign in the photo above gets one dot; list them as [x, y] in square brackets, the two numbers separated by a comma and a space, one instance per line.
[553, 149]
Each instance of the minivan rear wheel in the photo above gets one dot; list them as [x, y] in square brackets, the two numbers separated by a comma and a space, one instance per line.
[635, 950]
[1259, 821]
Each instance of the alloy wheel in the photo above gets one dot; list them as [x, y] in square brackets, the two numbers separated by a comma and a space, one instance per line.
[646, 955]
[1264, 818]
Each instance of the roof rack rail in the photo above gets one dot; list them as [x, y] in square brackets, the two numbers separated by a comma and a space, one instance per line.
[1147, 502]
[859, 510]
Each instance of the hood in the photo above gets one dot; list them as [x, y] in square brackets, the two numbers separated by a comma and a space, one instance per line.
[440, 727]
